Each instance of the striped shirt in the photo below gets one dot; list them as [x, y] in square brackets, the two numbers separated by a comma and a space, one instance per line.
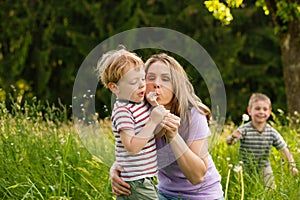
[256, 146]
[133, 116]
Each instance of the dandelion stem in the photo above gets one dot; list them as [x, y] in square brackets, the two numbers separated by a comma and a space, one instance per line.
[227, 183]
[242, 184]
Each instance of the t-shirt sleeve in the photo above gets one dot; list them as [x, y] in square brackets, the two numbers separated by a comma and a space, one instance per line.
[123, 119]
[278, 141]
[198, 126]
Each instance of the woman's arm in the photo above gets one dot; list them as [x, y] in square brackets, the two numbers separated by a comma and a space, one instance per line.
[192, 157]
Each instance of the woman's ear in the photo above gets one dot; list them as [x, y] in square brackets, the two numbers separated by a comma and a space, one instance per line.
[113, 87]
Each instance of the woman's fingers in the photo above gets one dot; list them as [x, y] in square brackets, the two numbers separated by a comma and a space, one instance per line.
[171, 121]
[119, 186]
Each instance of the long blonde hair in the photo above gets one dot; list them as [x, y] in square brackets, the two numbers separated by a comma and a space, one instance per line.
[184, 95]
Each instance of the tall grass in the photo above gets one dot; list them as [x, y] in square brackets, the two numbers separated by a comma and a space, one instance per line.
[42, 157]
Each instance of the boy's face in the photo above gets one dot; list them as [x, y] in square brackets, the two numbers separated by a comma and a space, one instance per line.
[260, 111]
[132, 85]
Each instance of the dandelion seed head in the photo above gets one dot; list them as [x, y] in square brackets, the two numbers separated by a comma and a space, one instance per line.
[237, 168]
[245, 117]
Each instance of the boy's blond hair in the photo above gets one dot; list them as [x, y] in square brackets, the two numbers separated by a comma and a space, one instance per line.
[258, 97]
[111, 66]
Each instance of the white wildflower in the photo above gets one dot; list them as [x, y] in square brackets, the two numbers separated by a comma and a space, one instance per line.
[237, 168]
[245, 117]
[152, 96]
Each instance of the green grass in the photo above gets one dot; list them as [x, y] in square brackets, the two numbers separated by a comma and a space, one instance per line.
[42, 157]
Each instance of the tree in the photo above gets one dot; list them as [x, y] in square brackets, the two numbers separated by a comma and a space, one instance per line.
[286, 19]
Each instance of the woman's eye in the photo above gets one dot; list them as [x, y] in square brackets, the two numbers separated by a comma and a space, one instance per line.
[151, 78]
[166, 79]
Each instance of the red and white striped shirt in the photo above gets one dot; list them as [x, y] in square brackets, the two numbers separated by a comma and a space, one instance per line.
[128, 115]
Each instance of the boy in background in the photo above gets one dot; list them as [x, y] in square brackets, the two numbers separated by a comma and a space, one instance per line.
[257, 137]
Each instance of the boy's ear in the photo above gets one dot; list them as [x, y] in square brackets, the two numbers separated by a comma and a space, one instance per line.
[113, 87]
[249, 110]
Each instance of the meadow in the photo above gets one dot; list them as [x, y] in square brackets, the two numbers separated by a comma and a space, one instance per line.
[42, 157]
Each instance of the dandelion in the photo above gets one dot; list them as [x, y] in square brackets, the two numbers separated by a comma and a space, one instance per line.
[245, 117]
[152, 96]
[239, 169]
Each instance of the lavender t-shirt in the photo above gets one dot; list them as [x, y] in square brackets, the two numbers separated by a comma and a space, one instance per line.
[172, 181]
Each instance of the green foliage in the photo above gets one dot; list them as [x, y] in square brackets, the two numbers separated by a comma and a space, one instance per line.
[42, 48]
[221, 11]
[286, 11]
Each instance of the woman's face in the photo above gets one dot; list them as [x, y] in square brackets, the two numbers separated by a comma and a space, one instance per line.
[158, 79]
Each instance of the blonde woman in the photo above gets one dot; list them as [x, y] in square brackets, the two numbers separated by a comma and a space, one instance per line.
[186, 169]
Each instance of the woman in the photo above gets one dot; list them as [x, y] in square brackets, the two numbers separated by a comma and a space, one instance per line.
[186, 169]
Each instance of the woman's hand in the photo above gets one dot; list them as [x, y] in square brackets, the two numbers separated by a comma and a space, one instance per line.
[171, 123]
[117, 184]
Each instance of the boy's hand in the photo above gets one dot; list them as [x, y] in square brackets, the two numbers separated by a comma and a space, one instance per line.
[158, 113]
[294, 171]
[236, 134]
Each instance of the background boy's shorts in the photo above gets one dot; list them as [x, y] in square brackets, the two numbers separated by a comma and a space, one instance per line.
[269, 177]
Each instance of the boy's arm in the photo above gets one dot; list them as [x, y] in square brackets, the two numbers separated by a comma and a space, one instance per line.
[290, 159]
[135, 143]
[231, 139]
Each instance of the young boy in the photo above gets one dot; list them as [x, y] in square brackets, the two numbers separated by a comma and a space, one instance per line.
[257, 137]
[133, 125]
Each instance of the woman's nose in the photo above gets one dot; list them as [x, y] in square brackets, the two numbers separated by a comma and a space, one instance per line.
[156, 84]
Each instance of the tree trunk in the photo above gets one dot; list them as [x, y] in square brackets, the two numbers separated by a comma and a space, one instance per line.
[290, 52]
[289, 40]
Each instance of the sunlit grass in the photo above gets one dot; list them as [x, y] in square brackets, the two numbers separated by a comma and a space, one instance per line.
[42, 157]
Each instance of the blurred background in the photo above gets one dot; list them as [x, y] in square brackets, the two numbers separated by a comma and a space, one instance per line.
[43, 44]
